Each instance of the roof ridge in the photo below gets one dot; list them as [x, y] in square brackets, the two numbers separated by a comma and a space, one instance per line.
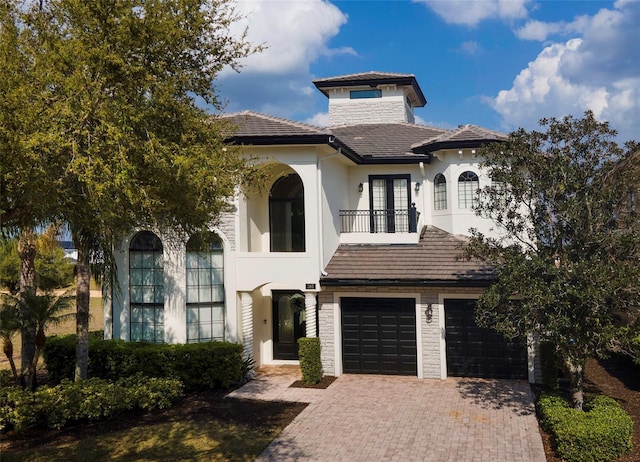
[360, 74]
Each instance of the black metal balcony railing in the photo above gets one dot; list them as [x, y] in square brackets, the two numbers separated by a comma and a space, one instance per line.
[379, 221]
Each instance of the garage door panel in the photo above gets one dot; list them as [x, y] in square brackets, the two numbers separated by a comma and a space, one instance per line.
[385, 332]
[477, 352]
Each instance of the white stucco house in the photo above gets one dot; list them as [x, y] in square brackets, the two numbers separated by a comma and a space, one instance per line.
[363, 223]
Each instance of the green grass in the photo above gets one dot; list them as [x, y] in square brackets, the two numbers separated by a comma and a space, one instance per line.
[204, 427]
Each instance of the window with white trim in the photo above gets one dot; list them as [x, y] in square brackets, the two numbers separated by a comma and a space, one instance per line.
[205, 288]
[146, 288]
[468, 185]
[440, 192]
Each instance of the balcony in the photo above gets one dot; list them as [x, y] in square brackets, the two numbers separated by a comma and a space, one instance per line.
[379, 226]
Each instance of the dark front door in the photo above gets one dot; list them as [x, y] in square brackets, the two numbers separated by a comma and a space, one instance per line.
[288, 324]
[473, 351]
[379, 336]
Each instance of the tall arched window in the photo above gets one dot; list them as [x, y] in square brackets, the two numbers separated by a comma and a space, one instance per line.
[146, 288]
[468, 185]
[286, 215]
[205, 288]
[440, 192]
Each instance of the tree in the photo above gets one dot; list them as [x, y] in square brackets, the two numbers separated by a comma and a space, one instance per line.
[52, 269]
[132, 149]
[567, 258]
[28, 188]
[9, 327]
[38, 313]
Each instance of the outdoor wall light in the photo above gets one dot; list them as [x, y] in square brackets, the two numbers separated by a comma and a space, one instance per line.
[360, 187]
[428, 313]
[417, 186]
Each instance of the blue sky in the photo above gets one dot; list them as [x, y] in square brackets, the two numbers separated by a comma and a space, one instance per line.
[500, 64]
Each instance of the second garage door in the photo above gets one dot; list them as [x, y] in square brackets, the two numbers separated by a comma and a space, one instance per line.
[476, 352]
[379, 336]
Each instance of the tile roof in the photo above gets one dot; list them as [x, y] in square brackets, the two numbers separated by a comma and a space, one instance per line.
[362, 143]
[433, 261]
[391, 141]
[366, 76]
[251, 123]
[464, 136]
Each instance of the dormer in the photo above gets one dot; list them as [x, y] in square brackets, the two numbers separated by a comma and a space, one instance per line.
[371, 97]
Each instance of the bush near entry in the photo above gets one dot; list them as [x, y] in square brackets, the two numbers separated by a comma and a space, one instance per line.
[199, 366]
[600, 433]
[310, 362]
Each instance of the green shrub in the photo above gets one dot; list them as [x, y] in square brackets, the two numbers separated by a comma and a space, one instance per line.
[91, 399]
[199, 366]
[310, 362]
[602, 432]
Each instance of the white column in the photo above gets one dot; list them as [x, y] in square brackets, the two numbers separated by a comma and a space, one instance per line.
[247, 323]
[310, 311]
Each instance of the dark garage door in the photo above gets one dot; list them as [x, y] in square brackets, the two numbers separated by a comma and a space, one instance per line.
[476, 352]
[379, 336]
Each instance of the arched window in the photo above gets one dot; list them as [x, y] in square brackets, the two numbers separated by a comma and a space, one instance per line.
[146, 288]
[286, 215]
[205, 288]
[468, 185]
[440, 192]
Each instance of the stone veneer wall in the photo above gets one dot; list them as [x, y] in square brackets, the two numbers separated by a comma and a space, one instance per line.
[368, 111]
[226, 224]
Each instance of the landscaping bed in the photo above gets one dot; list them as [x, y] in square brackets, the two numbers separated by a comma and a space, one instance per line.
[619, 379]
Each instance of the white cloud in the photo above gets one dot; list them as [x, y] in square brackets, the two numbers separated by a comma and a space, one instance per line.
[471, 12]
[321, 119]
[294, 32]
[538, 30]
[470, 48]
[599, 71]
[277, 80]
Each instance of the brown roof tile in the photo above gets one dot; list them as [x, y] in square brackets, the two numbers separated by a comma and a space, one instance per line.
[433, 261]
[384, 140]
[249, 123]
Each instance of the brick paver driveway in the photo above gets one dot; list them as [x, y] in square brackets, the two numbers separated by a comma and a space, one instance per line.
[386, 418]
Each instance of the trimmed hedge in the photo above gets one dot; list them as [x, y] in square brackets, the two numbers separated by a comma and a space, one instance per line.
[310, 362]
[198, 366]
[600, 433]
[91, 399]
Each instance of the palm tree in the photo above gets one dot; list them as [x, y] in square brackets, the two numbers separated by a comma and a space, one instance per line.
[39, 311]
[9, 327]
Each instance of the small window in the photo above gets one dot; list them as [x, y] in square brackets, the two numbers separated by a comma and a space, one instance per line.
[440, 192]
[359, 94]
[468, 185]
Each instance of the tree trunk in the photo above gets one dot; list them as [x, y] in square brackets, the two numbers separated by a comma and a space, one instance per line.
[82, 315]
[8, 352]
[27, 252]
[575, 368]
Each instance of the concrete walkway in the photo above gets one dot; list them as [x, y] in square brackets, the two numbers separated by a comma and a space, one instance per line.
[387, 418]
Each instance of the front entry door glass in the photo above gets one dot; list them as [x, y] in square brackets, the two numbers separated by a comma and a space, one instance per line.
[288, 324]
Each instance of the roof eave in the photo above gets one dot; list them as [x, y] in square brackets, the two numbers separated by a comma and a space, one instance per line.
[373, 82]
[439, 145]
[334, 282]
